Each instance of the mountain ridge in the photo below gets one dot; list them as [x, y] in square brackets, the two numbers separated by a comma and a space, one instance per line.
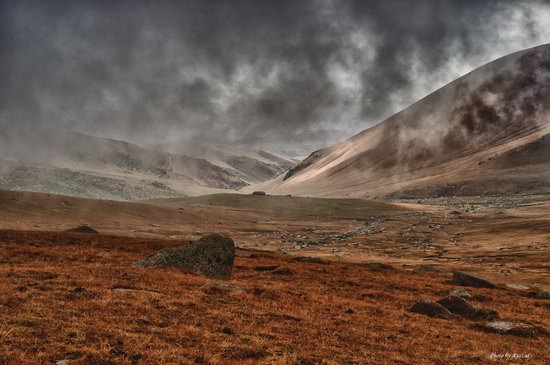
[440, 139]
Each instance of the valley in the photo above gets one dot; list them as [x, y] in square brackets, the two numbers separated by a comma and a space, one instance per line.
[342, 273]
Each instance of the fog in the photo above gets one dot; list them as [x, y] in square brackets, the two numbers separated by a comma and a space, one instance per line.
[252, 73]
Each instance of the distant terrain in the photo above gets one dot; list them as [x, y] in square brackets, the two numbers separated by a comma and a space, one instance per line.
[486, 133]
[76, 164]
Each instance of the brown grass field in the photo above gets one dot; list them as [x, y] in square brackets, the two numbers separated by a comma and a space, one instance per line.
[76, 297]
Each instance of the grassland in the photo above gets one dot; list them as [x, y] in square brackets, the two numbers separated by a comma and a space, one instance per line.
[349, 272]
[76, 297]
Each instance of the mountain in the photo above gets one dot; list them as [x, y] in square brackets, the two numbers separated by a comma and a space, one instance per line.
[295, 144]
[76, 164]
[485, 133]
[251, 165]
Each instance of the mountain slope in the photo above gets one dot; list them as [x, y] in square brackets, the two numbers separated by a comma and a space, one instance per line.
[81, 165]
[467, 135]
[251, 165]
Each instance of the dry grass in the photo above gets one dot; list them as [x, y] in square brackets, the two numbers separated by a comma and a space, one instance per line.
[57, 302]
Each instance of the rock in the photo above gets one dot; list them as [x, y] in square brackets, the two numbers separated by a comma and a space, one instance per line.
[465, 309]
[517, 286]
[377, 266]
[465, 279]
[211, 256]
[83, 228]
[228, 331]
[62, 362]
[463, 293]
[426, 268]
[282, 271]
[543, 294]
[217, 287]
[265, 268]
[259, 193]
[430, 309]
[514, 328]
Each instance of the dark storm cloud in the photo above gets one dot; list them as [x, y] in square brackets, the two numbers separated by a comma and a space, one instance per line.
[239, 70]
[431, 32]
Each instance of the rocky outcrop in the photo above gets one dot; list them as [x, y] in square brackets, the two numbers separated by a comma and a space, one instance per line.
[211, 256]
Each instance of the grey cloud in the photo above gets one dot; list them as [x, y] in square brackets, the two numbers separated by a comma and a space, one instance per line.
[239, 70]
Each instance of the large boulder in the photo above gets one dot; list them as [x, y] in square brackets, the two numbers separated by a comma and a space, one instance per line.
[515, 329]
[465, 279]
[460, 292]
[211, 256]
[461, 307]
[430, 309]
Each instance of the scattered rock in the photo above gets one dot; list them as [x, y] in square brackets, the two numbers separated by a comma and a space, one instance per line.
[122, 290]
[283, 271]
[543, 294]
[462, 293]
[265, 268]
[211, 256]
[350, 311]
[217, 287]
[377, 266]
[517, 286]
[62, 362]
[426, 268]
[259, 193]
[465, 279]
[228, 331]
[465, 309]
[514, 328]
[83, 228]
[267, 294]
[430, 309]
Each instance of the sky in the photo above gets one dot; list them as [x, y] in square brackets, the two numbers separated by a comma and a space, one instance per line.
[248, 72]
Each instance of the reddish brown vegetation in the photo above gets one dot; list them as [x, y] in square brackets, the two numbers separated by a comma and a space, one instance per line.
[58, 302]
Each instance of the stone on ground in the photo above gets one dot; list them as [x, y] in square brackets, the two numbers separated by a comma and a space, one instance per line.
[461, 307]
[543, 294]
[430, 309]
[517, 286]
[282, 271]
[211, 256]
[514, 328]
[460, 292]
[464, 279]
[218, 287]
[83, 228]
